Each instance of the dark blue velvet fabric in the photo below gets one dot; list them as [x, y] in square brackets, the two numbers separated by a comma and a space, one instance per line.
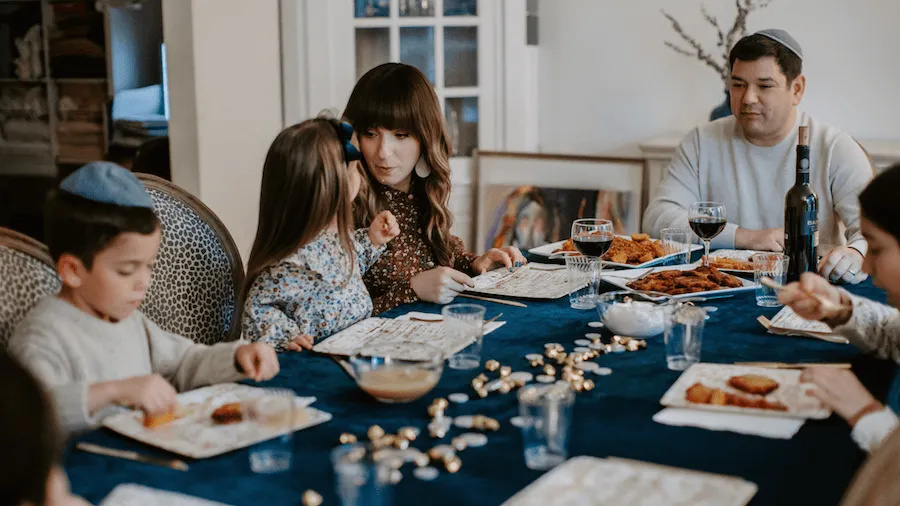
[814, 467]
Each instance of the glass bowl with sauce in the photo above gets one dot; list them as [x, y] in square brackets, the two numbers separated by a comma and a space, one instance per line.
[398, 374]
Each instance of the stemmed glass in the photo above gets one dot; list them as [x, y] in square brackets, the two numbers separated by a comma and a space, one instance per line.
[707, 220]
[592, 236]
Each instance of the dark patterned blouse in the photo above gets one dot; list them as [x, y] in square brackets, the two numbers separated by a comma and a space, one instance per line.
[408, 254]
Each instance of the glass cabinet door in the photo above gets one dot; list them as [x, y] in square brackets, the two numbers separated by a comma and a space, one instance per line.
[440, 38]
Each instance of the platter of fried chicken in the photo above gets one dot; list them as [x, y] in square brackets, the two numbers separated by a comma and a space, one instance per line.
[634, 251]
[681, 281]
[744, 389]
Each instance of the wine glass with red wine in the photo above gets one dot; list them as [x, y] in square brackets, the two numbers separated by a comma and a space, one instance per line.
[707, 220]
[592, 236]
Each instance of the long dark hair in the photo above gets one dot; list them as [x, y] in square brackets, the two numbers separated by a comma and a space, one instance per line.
[878, 204]
[29, 435]
[396, 96]
[305, 185]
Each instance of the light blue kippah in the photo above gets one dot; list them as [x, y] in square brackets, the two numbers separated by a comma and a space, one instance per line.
[783, 38]
[107, 183]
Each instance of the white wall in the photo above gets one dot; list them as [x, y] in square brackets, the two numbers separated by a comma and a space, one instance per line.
[224, 63]
[608, 83]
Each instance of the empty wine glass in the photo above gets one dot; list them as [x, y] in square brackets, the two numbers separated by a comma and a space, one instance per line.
[707, 220]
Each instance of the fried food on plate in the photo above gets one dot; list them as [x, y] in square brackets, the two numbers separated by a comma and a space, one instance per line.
[228, 413]
[677, 282]
[154, 421]
[753, 384]
[730, 263]
[699, 393]
[567, 246]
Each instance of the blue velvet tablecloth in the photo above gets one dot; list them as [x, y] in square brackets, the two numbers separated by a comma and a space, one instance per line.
[814, 467]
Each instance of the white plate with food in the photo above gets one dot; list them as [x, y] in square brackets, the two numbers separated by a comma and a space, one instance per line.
[628, 252]
[680, 281]
[744, 389]
[211, 421]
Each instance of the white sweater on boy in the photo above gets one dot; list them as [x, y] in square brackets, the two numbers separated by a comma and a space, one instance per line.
[68, 350]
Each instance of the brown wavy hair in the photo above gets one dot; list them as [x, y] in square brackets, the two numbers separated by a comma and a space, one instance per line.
[396, 96]
[305, 185]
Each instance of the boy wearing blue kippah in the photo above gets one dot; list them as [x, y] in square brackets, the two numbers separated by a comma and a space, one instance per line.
[89, 344]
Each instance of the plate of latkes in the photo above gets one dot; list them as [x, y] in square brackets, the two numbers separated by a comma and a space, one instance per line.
[213, 420]
[733, 260]
[629, 252]
[744, 389]
[681, 281]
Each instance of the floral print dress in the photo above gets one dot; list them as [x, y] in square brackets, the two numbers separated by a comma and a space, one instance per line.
[312, 291]
[407, 255]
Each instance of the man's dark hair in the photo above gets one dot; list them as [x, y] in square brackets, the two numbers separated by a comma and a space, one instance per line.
[29, 435]
[83, 228]
[754, 47]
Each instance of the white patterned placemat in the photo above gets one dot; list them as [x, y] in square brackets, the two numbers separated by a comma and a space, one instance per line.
[585, 481]
[129, 494]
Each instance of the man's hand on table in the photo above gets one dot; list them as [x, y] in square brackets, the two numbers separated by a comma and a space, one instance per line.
[770, 239]
[843, 263]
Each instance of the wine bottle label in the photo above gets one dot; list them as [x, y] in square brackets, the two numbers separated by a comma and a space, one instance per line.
[804, 166]
[810, 223]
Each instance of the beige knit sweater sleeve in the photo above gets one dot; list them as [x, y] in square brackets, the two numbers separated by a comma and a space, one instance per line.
[188, 365]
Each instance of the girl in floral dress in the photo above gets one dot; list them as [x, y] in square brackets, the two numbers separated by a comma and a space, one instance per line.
[305, 273]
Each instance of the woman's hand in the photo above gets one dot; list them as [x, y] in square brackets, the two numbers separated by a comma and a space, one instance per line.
[440, 285]
[510, 257]
[838, 389]
[800, 297]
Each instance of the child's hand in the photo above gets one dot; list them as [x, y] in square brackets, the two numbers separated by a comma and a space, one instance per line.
[151, 393]
[258, 360]
[383, 228]
[301, 342]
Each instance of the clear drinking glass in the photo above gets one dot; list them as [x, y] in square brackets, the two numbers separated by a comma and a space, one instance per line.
[772, 265]
[359, 480]
[684, 336]
[546, 411]
[675, 241]
[464, 322]
[583, 276]
[274, 409]
[707, 220]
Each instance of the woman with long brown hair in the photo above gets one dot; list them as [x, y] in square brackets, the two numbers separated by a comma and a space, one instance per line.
[304, 275]
[406, 153]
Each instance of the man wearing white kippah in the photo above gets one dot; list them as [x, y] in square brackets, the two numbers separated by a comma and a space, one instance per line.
[747, 162]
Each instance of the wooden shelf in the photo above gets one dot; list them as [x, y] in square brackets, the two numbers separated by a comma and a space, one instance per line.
[81, 80]
[15, 80]
[25, 146]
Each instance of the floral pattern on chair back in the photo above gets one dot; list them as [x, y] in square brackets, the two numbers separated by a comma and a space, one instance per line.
[196, 281]
[26, 276]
